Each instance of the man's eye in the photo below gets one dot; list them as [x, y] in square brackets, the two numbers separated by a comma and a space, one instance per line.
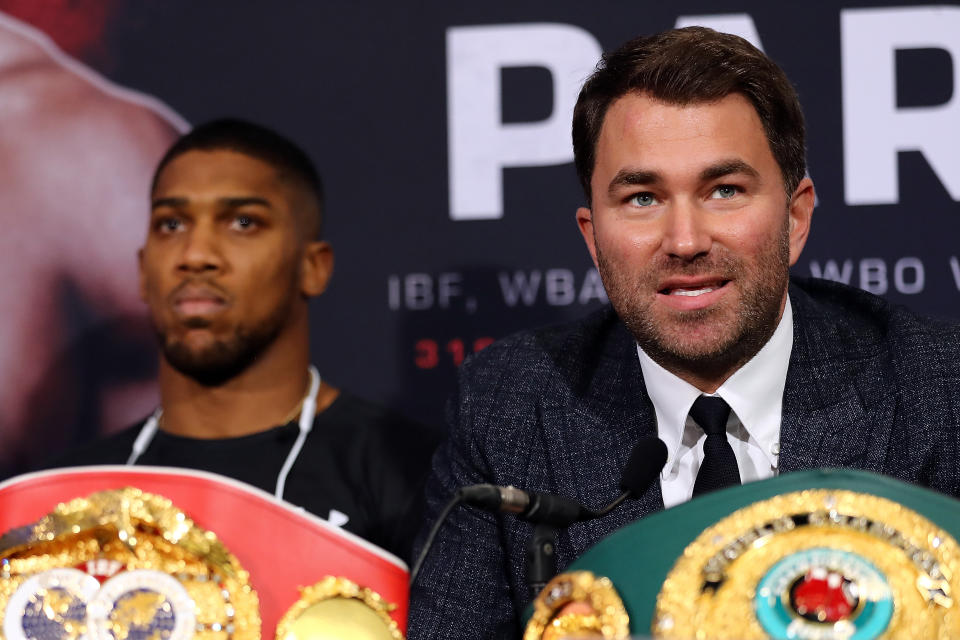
[645, 199]
[169, 225]
[243, 223]
[725, 191]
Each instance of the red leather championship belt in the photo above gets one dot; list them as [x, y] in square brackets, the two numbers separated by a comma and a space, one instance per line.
[123, 553]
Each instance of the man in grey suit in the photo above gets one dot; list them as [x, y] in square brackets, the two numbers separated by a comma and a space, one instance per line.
[690, 148]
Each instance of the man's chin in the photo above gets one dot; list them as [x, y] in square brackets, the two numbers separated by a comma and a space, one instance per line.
[210, 366]
[211, 357]
[692, 353]
[693, 338]
[693, 331]
[710, 346]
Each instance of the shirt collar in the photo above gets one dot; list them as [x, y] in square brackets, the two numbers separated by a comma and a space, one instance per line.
[754, 393]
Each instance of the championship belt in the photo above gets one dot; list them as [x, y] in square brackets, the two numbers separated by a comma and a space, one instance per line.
[820, 555]
[121, 553]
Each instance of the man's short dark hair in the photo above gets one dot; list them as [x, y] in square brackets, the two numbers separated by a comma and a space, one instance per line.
[256, 141]
[688, 66]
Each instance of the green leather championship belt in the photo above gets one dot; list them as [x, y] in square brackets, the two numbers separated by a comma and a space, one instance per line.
[820, 555]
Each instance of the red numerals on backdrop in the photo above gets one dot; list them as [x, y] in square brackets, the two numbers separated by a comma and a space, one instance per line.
[427, 353]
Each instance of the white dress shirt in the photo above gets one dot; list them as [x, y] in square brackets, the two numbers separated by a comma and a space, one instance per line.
[755, 395]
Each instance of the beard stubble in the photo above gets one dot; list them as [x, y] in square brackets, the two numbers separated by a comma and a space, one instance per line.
[224, 357]
[707, 343]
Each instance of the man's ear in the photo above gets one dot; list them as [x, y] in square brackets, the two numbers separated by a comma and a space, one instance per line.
[800, 212]
[585, 223]
[316, 268]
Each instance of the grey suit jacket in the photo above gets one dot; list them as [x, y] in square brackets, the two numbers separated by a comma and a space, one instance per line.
[870, 386]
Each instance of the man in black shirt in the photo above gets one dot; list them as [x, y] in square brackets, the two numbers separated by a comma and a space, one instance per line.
[231, 258]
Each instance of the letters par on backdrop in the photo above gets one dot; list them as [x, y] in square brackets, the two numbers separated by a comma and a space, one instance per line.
[875, 129]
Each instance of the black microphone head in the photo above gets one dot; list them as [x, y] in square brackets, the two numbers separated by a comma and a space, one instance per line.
[644, 465]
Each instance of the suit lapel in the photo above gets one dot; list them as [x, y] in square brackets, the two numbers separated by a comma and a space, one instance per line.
[823, 409]
[606, 413]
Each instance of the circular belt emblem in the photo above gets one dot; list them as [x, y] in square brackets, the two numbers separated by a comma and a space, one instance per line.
[578, 604]
[338, 609]
[823, 590]
[52, 604]
[142, 605]
[68, 604]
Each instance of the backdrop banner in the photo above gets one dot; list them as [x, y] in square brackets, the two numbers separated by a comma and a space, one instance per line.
[442, 132]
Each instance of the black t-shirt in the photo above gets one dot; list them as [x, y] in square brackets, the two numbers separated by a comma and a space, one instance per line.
[359, 459]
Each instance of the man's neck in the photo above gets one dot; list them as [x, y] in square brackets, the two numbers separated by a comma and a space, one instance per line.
[261, 397]
[708, 378]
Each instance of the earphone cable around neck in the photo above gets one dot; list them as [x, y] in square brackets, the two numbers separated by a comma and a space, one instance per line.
[308, 409]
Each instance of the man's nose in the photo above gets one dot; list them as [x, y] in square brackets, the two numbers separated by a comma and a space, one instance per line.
[201, 250]
[686, 231]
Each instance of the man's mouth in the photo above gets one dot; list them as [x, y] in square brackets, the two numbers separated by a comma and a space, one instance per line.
[692, 293]
[193, 300]
[198, 306]
[692, 290]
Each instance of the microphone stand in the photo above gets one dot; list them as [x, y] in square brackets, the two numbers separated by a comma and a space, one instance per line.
[542, 547]
[645, 462]
[541, 557]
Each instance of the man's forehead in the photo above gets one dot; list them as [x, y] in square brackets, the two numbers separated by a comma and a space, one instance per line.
[645, 135]
[641, 112]
[201, 171]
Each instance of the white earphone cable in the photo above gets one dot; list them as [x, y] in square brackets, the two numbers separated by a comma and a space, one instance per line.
[308, 409]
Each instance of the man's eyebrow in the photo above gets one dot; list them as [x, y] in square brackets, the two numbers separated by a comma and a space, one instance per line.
[238, 201]
[168, 202]
[726, 168]
[632, 177]
[242, 201]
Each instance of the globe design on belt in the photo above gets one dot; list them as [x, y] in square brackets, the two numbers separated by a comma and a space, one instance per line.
[820, 590]
[55, 613]
[142, 605]
[52, 604]
[142, 615]
[67, 604]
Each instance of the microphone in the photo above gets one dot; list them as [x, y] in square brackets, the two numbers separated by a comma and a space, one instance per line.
[546, 509]
[643, 466]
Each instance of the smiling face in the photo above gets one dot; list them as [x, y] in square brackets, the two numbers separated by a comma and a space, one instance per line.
[226, 267]
[692, 231]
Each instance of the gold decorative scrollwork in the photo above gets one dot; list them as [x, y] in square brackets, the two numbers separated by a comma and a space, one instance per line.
[578, 605]
[159, 571]
[738, 570]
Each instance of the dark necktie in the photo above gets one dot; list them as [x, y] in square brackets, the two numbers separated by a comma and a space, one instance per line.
[719, 467]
